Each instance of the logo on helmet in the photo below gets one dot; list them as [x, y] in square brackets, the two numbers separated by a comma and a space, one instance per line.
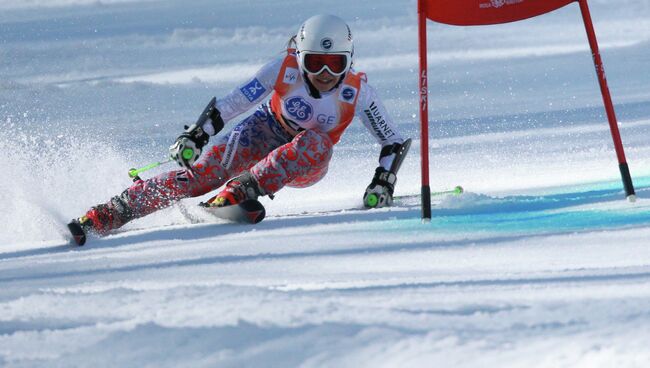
[498, 3]
[326, 43]
[302, 32]
[298, 108]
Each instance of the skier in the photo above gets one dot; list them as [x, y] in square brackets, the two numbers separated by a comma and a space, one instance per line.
[288, 140]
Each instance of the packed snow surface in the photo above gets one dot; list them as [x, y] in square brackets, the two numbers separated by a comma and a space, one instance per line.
[540, 263]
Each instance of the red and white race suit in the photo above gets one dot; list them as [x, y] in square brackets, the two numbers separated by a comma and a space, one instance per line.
[288, 140]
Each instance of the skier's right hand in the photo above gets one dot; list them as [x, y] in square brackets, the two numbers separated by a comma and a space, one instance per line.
[187, 148]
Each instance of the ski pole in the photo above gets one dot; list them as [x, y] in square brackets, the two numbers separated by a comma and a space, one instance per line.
[456, 191]
[372, 199]
[133, 173]
[210, 112]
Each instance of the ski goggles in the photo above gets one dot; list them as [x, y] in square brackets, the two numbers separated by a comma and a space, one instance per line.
[335, 64]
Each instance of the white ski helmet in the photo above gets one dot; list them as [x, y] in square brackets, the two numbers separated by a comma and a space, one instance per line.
[323, 35]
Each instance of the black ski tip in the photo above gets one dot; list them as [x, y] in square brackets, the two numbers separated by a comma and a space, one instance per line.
[78, 233]
[254, 210]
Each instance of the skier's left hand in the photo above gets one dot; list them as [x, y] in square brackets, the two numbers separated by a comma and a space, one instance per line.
[187, 148]
[380, 191]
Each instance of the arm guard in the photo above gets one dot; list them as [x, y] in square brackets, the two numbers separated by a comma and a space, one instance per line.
[394, 155]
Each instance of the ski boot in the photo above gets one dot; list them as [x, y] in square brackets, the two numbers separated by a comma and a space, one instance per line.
[237, 202]
[239, 189]
[101, 219]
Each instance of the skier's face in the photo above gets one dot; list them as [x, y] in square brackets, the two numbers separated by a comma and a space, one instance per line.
[324, 81]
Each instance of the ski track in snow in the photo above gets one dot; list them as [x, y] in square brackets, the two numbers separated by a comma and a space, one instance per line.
[540, 263]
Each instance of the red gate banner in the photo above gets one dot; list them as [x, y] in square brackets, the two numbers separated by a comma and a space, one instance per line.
[482, 12]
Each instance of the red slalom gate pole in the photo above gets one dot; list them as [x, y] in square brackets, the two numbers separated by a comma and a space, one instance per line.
[607, 99]
[424, 111]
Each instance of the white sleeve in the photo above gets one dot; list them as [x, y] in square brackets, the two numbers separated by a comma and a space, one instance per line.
[251, 92]
[374, 116]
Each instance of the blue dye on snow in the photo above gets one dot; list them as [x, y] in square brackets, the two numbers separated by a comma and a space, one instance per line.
[592, 207]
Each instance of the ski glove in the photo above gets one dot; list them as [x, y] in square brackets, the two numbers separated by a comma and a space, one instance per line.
[187, 148]
[380, 191]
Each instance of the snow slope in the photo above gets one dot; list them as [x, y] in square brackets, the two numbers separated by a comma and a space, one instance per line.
[541, 263]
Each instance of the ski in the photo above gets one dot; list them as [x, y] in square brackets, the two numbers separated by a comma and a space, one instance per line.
[250, 211]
